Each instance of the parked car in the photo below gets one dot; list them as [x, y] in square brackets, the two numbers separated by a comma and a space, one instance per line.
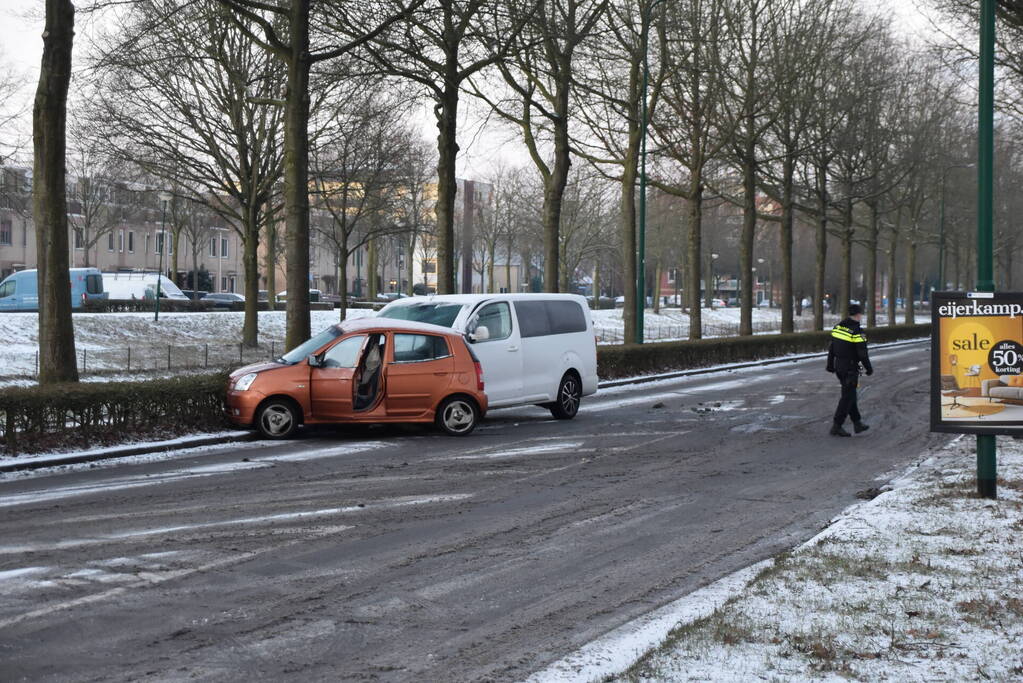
[314, 295]
[194, 295]
[390, 296]
[367, 370]
[125, 286]
[535, 348]
[225, 300]
[19, 291]
[733, 301]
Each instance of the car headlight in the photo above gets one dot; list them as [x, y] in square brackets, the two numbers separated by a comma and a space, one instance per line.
[245, 382]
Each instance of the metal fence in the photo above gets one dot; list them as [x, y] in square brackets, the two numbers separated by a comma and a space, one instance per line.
[150, 358]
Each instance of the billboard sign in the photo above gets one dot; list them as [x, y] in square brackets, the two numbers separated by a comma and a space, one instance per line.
[977, 362]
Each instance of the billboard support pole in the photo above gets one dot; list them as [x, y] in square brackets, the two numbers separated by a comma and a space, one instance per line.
[986, 462]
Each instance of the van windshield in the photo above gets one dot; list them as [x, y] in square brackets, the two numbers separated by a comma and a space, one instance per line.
[303, 350]
[435, 313]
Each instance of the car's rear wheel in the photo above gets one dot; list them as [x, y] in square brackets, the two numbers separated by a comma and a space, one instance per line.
[278, 418]
[570, 393]
[457, 415]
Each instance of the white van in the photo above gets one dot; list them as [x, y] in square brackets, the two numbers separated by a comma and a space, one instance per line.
[535, 348]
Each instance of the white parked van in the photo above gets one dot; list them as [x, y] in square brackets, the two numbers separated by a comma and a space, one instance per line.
[534, 348]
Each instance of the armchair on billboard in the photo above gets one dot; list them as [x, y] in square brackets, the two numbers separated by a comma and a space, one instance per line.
[977, 362]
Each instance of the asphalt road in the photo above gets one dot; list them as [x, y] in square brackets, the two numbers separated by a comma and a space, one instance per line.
[404, 555]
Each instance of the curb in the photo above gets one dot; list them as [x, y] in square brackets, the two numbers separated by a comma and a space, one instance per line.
[146, 449]
[123, 452]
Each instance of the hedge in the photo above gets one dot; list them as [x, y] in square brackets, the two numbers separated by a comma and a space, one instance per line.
[81, 415]
[642, 359]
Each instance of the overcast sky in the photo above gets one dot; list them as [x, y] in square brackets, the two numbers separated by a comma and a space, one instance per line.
[483, 147]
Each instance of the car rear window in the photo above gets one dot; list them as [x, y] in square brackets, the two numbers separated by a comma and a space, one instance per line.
[540, 318]
[412, 348]
[442, 314]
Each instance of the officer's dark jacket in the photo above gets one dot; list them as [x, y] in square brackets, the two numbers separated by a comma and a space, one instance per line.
[848, 348]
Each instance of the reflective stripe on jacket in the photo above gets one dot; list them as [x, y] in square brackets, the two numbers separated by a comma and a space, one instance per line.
[848, 349]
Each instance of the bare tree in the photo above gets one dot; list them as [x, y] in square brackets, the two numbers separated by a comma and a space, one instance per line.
[440, 47]
[291, 33]
[189, 105]
[540, 74]
[357, 174]
[57, 357]
[611, 117]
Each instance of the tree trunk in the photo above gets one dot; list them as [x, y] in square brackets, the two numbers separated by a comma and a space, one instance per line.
[845, 285]
[554, 188]
[175, 247]
[447, 148]
[822, 248]
[657, 286]
[491, 255]
[749, 229]
[372, 265]
[342, 283]
[250, 262]
[693, 265]
[870, 300]
[410, 254]
[271, 264]
[892, 287]
[628, 243]
[596, 286]
[785, 243]
[910, 275]
[58, 360]
[296, 176]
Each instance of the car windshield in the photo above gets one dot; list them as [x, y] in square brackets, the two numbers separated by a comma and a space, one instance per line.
[438, 313]
[303, 350]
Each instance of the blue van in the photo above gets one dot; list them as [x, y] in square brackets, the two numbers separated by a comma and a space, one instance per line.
[19, 291]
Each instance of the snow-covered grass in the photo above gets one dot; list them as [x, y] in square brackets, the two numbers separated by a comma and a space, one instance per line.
[131, 343]
[924, 582]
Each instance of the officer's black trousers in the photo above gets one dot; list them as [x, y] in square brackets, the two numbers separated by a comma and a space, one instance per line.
[847, 407]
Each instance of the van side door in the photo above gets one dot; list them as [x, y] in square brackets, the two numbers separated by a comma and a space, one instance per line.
[7, 300]
[500, 353]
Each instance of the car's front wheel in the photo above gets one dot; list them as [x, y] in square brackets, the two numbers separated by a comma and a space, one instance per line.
[457, 416]
[570, 393]
[277, 419]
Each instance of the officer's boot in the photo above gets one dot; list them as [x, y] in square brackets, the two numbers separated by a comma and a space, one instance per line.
[860, 427]
[836, 430]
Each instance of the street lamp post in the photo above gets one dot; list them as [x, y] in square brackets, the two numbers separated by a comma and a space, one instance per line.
[162, 241]
[986, 462]
[941, 224]
[641, 246]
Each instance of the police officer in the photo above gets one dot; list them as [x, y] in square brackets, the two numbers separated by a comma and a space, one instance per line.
[848, 351]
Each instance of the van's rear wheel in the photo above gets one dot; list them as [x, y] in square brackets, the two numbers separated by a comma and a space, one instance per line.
[277, 419]
[570, 393]
[457, 416]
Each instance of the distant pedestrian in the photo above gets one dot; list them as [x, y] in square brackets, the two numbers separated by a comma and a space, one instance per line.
[847, 353]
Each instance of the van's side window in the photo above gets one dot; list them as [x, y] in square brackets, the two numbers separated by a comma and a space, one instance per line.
[533, 321]
[541, 318]
[344, 354]
[496, 318]
[7, 289]
[414, 348]
[565, 317]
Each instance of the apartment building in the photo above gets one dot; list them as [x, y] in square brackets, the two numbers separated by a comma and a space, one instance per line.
[116, 234]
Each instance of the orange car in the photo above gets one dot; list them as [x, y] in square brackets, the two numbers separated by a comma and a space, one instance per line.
[367, 370]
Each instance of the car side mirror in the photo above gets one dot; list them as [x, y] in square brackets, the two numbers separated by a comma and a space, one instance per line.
[480, 334]
[313, 360]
